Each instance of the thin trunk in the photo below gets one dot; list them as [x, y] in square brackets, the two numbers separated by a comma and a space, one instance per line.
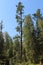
[21, 37]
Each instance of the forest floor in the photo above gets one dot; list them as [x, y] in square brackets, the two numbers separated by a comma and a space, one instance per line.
[26, 64]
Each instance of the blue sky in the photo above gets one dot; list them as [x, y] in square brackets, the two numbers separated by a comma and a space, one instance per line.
[8, 12]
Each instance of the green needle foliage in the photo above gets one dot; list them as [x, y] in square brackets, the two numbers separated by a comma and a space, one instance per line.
[19, 13]
[26, 48]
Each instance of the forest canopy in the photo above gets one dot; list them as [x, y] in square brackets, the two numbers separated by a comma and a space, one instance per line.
[27, 45]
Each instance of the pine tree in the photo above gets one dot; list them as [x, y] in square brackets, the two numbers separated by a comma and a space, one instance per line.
[19, 13]
[1, 40]
[28, 28]
[36, 35]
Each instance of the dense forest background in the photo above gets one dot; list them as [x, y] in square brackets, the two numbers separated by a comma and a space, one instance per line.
[27, 45]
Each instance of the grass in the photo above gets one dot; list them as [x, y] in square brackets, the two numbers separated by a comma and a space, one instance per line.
[33, 64]
[26, 64]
